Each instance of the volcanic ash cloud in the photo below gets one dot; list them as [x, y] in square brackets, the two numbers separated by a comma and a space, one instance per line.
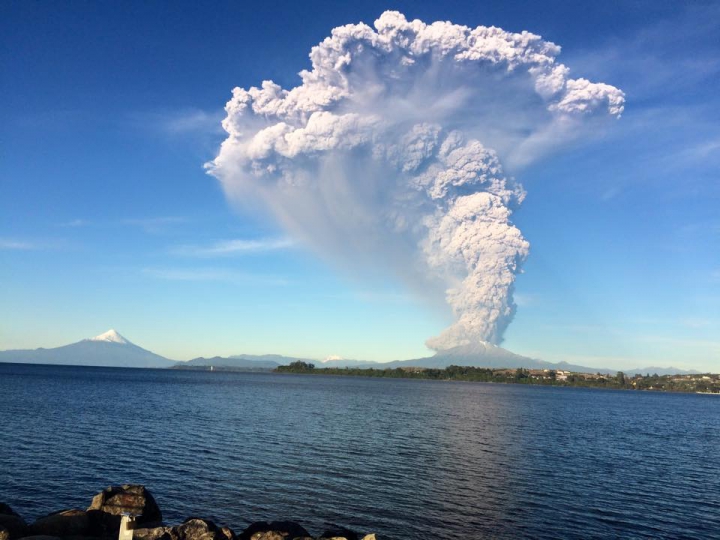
[387, 156]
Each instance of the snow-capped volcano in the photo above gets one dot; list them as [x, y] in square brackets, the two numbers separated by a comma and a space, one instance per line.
[111, 336]
[108, 349]
[478, 354]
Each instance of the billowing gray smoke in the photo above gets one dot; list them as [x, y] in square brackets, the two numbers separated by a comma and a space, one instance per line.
[387, 155]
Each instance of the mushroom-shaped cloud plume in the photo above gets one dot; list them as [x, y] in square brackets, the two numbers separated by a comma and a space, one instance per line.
[387, 155]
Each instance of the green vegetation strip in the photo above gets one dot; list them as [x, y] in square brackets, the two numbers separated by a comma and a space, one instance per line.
[704, 383]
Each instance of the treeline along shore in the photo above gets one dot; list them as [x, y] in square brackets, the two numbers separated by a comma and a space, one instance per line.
[699, 383]
[129, 512]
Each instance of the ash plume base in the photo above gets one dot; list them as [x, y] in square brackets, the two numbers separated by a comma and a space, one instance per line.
[388, 154]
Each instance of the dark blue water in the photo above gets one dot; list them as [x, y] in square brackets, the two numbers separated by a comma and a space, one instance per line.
[405, 459]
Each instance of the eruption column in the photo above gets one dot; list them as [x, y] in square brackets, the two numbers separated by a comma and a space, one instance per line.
[387, 154]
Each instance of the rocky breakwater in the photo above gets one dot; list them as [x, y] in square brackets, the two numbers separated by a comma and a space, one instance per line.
[102, 519]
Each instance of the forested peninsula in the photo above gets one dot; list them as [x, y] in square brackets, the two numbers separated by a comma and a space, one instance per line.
[699, 383]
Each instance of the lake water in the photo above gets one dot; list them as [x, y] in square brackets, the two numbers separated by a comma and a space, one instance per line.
[406, 459]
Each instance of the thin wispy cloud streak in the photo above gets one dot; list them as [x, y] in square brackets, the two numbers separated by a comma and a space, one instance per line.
[377, 297]
[44, 244]
[699, 323]
[233, 247]
[658, 73]
[650, 60]
[75, 223]
[10, 244]
[156, 225]
[189, 122]
[214, 275]
[195, 121]
[150, 224]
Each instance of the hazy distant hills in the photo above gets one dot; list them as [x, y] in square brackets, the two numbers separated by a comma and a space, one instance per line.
[343, 362]
[109, 349]
[113, 350]
[479, 354]
[268, 361]
[661, 371]
[483, 354]
[240, 361]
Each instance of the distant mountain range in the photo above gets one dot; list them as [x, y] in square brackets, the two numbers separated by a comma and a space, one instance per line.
[240, 361]
[112, 349]
[483, 354]
[344, 362]
[479, 354]
[109, 349]
[269, 361]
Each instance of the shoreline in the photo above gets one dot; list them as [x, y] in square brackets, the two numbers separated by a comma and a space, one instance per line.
[702, 383]
[130, 512]
[684, 384]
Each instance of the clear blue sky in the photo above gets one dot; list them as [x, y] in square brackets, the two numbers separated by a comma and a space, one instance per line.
[107, 218]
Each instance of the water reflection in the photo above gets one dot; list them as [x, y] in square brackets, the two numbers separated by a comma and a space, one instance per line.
[407, 459]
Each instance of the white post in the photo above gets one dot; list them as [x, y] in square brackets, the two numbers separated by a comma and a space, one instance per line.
[127, 524]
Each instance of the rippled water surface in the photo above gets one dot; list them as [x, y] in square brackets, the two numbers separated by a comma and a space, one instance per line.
[406, 459]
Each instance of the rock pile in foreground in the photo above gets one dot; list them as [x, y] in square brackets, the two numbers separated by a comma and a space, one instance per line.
[101, 521]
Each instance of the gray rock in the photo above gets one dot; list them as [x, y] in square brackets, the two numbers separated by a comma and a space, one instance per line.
[150, 533]
[108, 505]
[198, 529]
[268, 535]
[228, 533]
[191, 529]
[276, 530]
[339, 533]
[64, 523]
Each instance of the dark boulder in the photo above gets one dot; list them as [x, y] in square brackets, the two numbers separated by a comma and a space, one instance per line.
[5, 510]
[276, 530]
[13, 525]
[191, 529]
[227, 534]
[197, 529]
[108, 505]
[268, 535]
[150, 533]
[338, 533]
[65, 523]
